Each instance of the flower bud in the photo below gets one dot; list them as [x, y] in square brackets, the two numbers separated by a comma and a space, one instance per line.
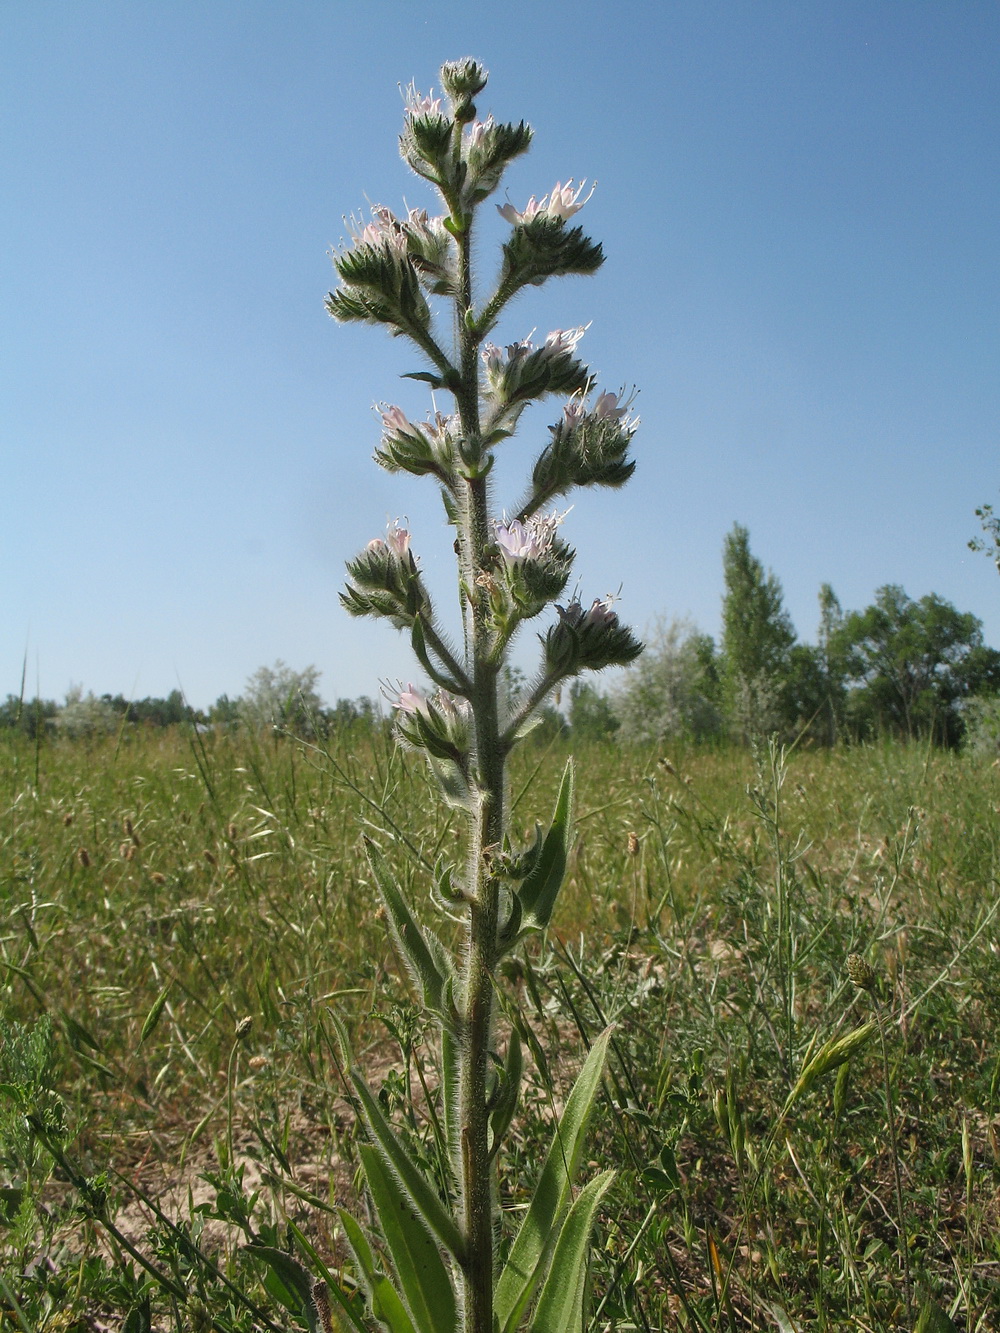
[588, 640]
[385, 581]
[463, 78]
[589, 447]
[541, 246]
[442, 725]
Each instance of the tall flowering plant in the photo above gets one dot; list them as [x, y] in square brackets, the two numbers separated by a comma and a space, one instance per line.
[434, 1267]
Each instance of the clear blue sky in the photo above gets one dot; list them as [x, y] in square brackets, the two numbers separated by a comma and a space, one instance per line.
[800, 203]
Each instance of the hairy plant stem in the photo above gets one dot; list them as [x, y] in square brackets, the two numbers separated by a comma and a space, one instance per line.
[486, 826]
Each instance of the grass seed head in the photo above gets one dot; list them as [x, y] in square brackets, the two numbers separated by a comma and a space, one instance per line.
[861, 973]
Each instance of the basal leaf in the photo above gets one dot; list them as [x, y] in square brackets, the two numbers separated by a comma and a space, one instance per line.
[423, 1277]
[531, 1251]
[560, 1306]
[418, 1188]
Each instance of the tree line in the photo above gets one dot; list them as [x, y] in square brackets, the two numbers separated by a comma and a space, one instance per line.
[278, 698]
[902, 668]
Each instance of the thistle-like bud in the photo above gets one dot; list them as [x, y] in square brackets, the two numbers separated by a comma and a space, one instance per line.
[425, 143]
[489, 149]
[862, 973]
[589, 447]
[463, 78]
[379, 280]
[427, 447]
[541, 246]
[385, 581]
[523, 372]
[588, 640]
[441, 725]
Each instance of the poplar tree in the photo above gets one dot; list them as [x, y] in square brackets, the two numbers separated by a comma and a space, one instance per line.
[757, 639]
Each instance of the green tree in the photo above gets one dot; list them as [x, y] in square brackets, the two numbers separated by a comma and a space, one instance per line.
[591, 716]
[757, 639]
[673, 691]
[912, 664]
[284, 699]
[989, 544]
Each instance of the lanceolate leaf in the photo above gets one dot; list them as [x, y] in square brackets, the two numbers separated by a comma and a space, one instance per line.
[421, 952]
[537, 893]
[418, 1188]
[531, 1252]
[506, 1101]
[294, 1288]
[422, 1275]
[560, 1306]
[384, 1299]
[934, 1320]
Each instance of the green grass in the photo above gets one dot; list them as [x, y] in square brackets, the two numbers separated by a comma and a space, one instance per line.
[161, 888]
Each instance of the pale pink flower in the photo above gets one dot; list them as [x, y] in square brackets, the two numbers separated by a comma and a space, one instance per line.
[606, 408]
[527, 541]
[600, 613]
[395, 419]
[520, 541]
[564, 341]
[562, 202]
[531, 209]
[419, 105]
[478, 128]
[411, 700]
[574, 412]
[384, 229]
[397, 539]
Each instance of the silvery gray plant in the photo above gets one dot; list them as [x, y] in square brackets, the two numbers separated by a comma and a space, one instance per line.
[434, 1265]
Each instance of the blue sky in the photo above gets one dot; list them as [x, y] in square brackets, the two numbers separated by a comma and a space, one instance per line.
[800, 204]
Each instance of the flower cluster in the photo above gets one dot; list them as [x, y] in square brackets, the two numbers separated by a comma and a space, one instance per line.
[440, 726]
[385, 581]
[523, 371]
[562, 202]
[533, 570]
[588, 640]
[589, 447]
[427, 447]
[430, 138]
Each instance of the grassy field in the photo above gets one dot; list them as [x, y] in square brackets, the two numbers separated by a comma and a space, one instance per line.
[162, 889]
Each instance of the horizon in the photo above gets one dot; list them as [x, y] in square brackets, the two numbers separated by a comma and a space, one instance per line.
[799, 205]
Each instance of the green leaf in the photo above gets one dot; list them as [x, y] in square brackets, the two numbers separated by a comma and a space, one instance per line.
[418, 1188]
[450, 1094]
[422, 1275]
[425, 377]
[294, 1285]
[560, 1306]
[537, 893]
[422, 953]
[383, 1297]
[934, 1320]
[153, 1017]
[531, 1251]
[506, 1101]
